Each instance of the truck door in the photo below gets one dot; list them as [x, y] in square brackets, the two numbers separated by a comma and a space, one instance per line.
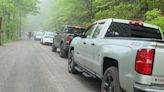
[94, 47]
[83, 47]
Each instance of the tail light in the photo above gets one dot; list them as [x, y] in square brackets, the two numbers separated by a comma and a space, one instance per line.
[144, 61]
[68, 39]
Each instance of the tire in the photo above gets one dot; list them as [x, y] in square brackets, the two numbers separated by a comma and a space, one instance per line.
[62, 52]
[110, 81]
[71, 63]
[43, 43]
[54, 48]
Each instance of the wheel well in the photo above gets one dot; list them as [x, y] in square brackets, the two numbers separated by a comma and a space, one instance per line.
[108, 62]
[72, 48]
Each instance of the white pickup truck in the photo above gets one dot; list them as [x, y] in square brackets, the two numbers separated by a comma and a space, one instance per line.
[127, 55]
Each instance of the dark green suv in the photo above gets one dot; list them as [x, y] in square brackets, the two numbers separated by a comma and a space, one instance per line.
[63, 39]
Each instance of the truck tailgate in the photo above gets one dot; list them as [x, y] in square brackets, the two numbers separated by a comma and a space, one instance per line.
[158, 68]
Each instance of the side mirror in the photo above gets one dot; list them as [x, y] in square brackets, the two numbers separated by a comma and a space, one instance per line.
[83, 36]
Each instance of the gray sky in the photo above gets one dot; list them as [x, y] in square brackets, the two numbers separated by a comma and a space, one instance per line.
[34, 22]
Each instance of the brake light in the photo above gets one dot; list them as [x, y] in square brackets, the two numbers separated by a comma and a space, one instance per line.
[137, 23]
[68, 39]
[131, 22]
[144, 61]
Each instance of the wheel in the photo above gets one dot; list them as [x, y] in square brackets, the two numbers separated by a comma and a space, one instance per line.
[43, 42]
[54, 48]
[62, 52]
[71, 63]
[110, 81]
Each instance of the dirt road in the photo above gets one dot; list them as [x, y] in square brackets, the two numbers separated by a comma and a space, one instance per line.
[28, 66]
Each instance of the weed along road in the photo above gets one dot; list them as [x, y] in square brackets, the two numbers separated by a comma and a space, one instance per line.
[28, 66]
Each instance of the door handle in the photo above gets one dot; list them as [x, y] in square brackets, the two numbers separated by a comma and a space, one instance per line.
[84, 43]
[93, 44]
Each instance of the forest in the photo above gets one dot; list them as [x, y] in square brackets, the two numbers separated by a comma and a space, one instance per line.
[77, 12]
[84, 12]
[13, 14]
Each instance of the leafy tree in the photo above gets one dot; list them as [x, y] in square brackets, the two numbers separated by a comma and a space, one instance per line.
[84, 12]
[154, 17]
[13, 13]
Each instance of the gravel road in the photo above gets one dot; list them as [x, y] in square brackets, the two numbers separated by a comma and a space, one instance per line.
[28, 66]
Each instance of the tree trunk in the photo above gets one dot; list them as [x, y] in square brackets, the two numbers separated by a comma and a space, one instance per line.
[20, 22]
[0, 30]
[90, 9]
[145, 5]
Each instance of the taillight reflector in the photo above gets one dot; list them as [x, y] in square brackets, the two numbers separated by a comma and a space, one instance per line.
[144, 61]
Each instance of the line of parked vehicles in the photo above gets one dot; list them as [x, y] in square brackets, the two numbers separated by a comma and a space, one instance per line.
[128, 56]
[44, 37]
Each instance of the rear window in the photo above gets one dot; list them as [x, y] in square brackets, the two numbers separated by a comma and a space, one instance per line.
[40, 34]
[50, 34]
[126, 30]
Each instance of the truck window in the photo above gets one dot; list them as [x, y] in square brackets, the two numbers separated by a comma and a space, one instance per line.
[97, 31]
[126, 30]
[89, 31]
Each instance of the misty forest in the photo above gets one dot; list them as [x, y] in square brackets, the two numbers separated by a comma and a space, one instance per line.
[15, 14]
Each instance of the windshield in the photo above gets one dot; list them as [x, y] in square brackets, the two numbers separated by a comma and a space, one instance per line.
[40, 34]
[50, 34]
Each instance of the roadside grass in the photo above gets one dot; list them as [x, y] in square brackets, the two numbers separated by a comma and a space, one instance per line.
[6, 41]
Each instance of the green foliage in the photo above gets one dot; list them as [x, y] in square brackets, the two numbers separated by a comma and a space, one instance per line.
[122, 10]
[84, 12]
[153, 14]
[68, 12]
[154, 17]
[13, 13]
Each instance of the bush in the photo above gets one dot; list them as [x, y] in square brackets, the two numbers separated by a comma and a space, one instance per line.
[155, 17]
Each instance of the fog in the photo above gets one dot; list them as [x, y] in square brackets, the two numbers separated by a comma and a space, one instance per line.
[35, 22]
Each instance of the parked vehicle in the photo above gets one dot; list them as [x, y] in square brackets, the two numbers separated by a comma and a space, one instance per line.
[126, 55]
[63, 39]
[47, 38]
[38, 35]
